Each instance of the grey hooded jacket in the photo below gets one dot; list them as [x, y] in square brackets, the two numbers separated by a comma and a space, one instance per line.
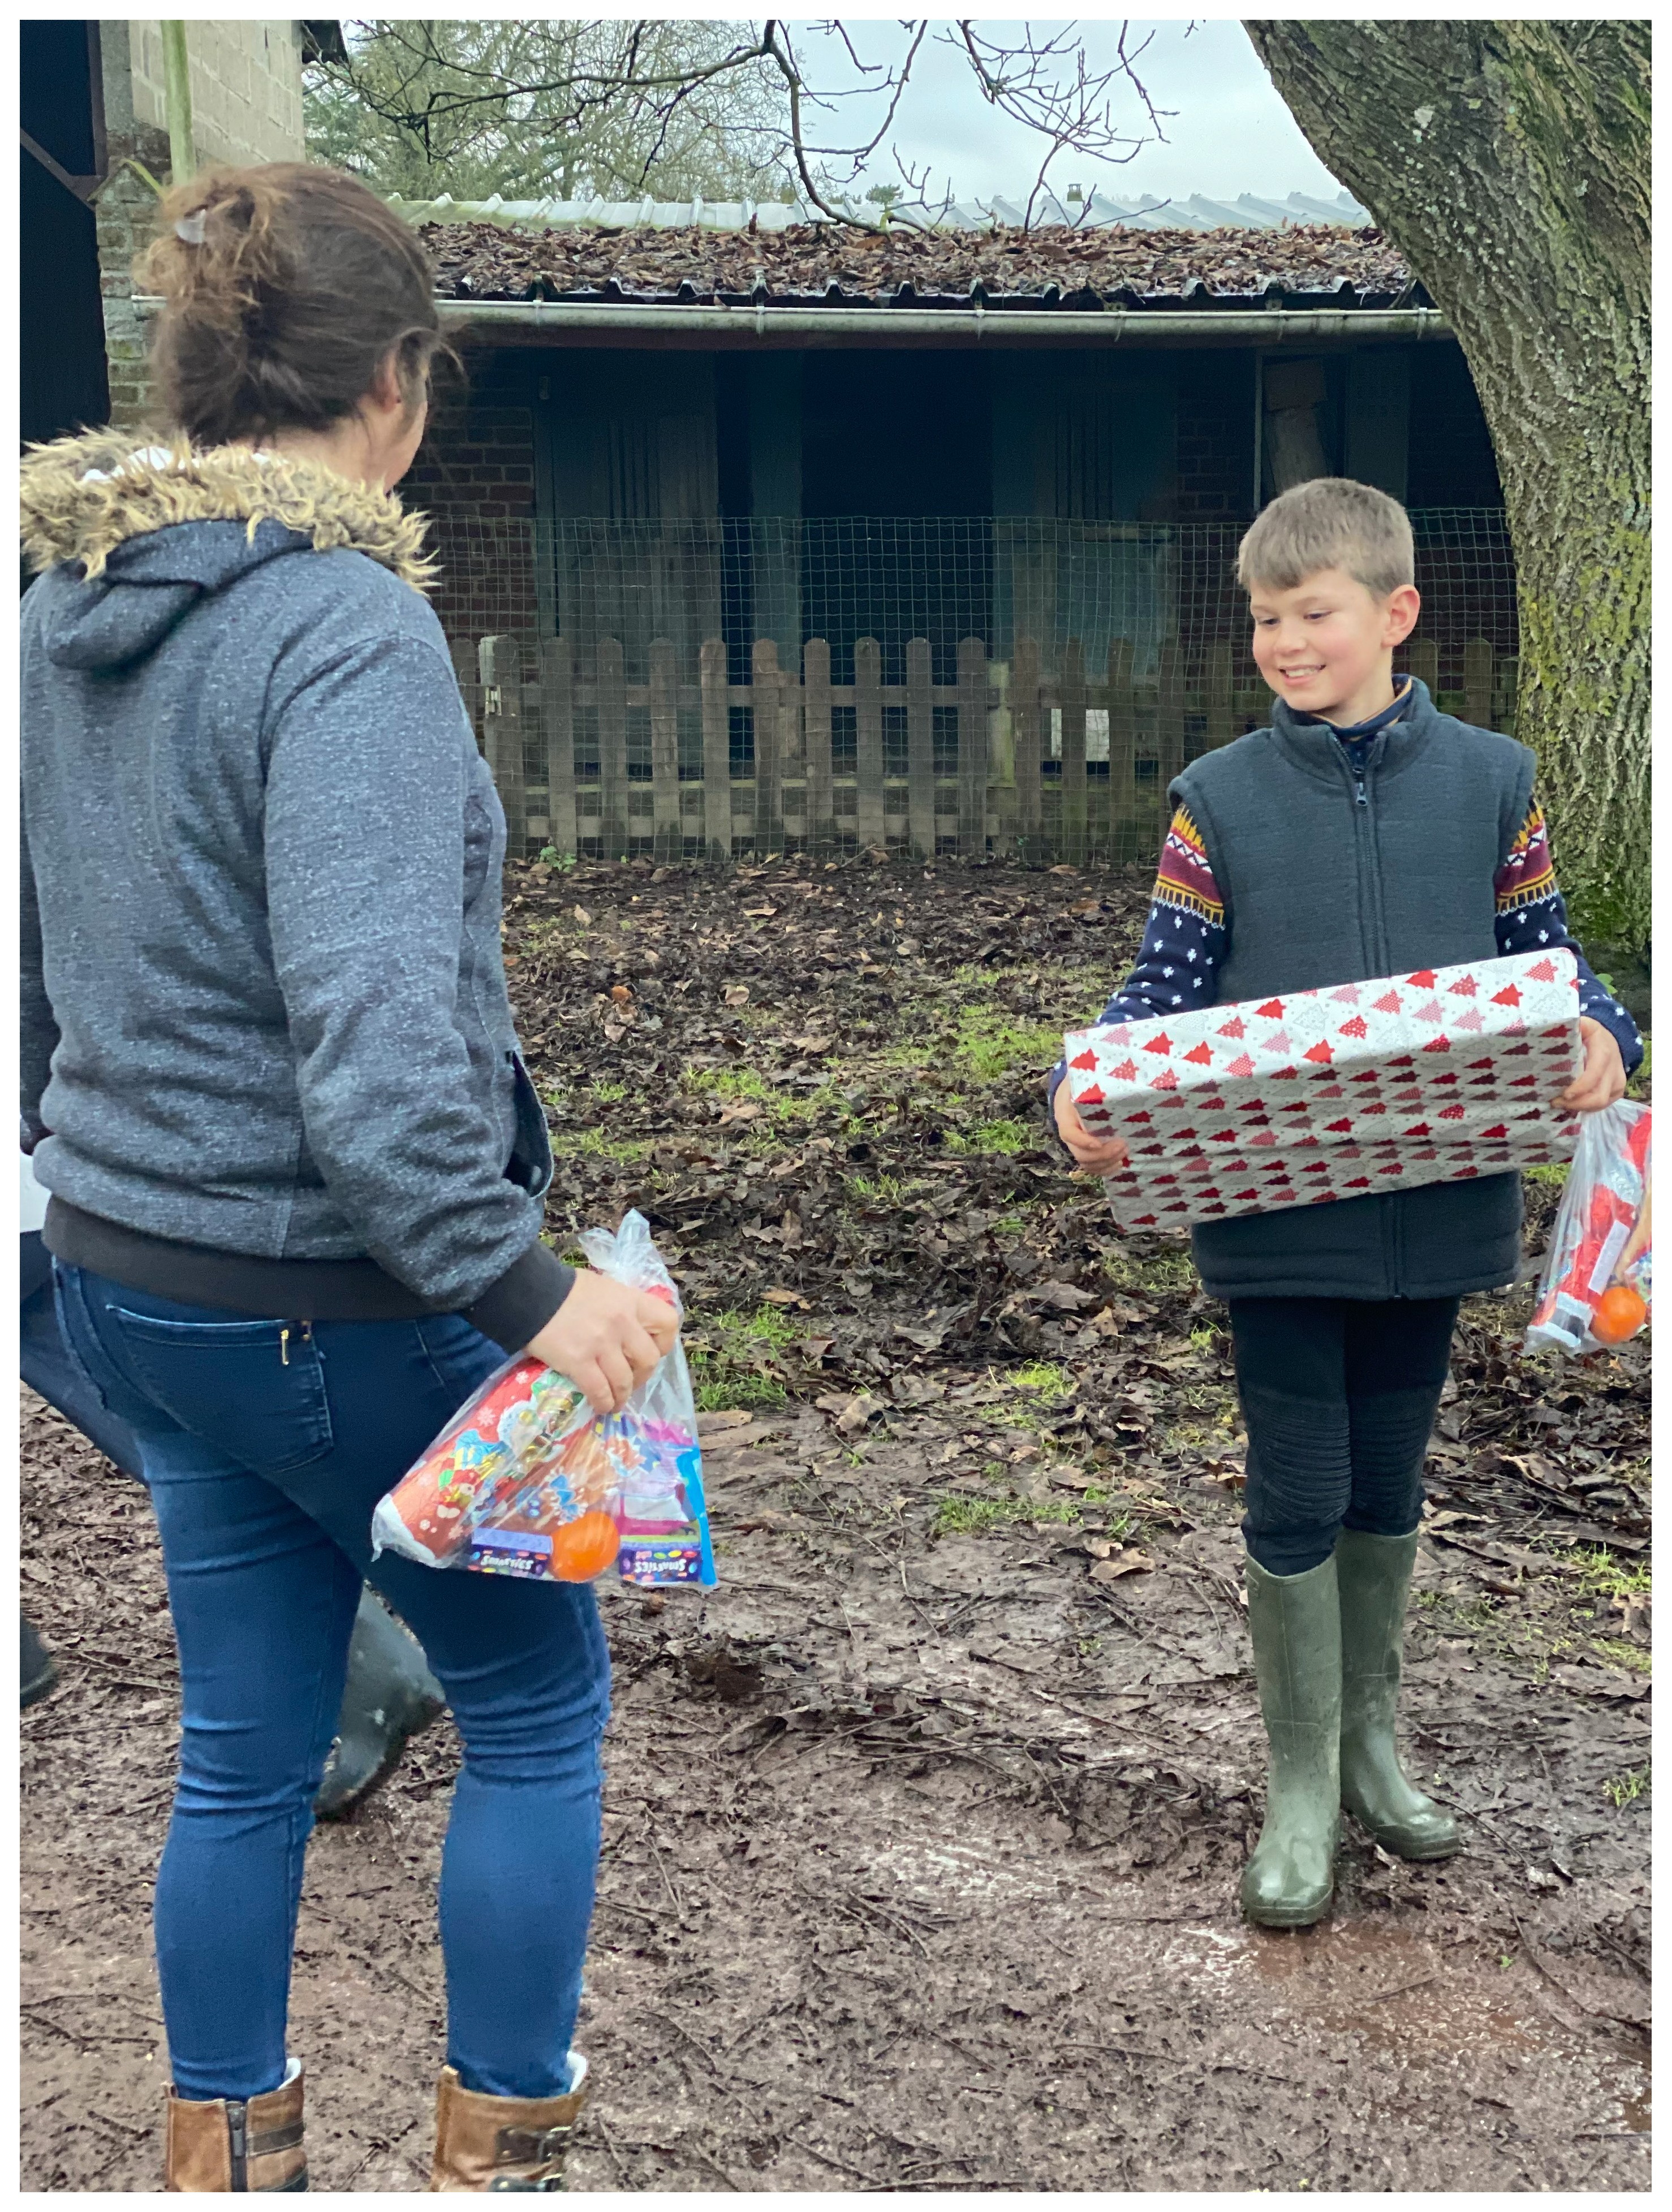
[265, 1017]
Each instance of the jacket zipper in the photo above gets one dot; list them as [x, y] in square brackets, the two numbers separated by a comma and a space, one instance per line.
[1370, 879]
[235, 2129]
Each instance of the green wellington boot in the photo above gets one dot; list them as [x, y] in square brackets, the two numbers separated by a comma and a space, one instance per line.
[390, 1697]
[1373, 1575]
[1296, 1623]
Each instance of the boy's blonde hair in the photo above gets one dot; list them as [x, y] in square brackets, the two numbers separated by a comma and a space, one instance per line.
[1330, 523]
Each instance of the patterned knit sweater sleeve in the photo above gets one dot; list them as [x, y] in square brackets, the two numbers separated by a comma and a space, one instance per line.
[1531, 912]
[1184, 938]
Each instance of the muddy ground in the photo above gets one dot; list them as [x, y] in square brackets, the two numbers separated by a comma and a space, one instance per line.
[923, 1829]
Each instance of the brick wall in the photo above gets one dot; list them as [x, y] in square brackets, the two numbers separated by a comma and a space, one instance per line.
[246, 88]
[1215, 459]
[474, 477]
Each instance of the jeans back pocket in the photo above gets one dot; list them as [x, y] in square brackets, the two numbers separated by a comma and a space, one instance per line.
[255, 1387]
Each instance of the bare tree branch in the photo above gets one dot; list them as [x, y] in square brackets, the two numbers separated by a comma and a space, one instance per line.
[690, 104]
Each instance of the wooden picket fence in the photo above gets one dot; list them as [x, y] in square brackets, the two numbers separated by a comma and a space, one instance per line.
[1015, 781]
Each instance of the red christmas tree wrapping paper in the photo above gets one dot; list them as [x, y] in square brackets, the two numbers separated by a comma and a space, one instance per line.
[1312, 1096]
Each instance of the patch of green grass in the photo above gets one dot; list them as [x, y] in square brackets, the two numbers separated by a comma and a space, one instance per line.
[1601, 1575]
[974, 1516]
[877, 1190]
[732, 1083]
[1619, 1651]
[993, 1136]
[1039, 1376]
[727, 1352]
[1202, 1339]
[992, 1045]
[609, 1094]
[1170, 1267]
[1554, 1172]
[1623, 1789]
[597, 1144]
[1639, 1083]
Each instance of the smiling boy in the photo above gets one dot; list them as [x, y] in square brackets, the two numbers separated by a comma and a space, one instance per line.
[1363, 834]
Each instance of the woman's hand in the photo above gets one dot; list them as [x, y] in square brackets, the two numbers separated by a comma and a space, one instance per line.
[1098, 1156]
[1602, 1081]
[607, 1338]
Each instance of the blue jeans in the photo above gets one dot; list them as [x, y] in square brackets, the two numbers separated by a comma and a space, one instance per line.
[266, 1448]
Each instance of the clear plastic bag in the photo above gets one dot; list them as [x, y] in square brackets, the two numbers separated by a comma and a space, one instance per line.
[526, 1480]
[1597, 1288]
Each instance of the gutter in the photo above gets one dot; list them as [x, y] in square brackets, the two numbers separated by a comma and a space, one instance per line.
[944, 326]
[665, 324]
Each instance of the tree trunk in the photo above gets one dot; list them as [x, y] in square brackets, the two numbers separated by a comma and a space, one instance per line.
[1510, 163]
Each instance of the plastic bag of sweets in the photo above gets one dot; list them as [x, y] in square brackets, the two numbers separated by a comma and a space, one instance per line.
[1597, 1287]
[526, 1481]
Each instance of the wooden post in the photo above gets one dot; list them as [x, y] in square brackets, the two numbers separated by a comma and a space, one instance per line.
[1171, 716]
[919, 745]
[1422, 658]
[557, 702]
[1477, 682]
[501, 730]
[717, 751]
[816, 718]
[868, 743]
[767, 699]
[972, 747]
[670, 844]
[1221, 716]
[1072, 818]
[612, 747]
[1026, 718]
[1122, 749]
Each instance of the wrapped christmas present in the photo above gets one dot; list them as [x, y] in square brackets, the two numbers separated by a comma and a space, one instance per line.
[1312, 1096]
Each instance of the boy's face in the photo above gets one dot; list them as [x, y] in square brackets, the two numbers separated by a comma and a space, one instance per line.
[1326, 646]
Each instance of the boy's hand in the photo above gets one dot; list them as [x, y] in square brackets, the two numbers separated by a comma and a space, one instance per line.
[1098, 1156]
[1602, 1078]
[606, 1338]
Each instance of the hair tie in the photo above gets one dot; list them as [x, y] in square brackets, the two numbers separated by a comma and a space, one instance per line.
[190, 228]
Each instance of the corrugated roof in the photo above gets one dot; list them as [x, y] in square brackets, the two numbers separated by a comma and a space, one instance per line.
[1247, 212]
[789, 264]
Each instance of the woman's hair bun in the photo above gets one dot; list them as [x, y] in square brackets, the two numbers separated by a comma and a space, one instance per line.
[285, 288]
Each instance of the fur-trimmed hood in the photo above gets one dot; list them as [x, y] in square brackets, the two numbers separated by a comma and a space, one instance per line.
[82, 497]
[136, 539]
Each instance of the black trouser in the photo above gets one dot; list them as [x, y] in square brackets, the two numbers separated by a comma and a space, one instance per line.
[1339, 1397]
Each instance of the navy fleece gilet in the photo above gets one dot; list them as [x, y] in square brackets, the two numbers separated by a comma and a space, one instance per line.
[1330, 875]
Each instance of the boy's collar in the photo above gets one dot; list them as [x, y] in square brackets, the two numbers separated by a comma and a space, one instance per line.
[1351, 733]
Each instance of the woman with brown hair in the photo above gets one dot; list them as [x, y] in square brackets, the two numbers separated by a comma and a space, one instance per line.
[271, 1077]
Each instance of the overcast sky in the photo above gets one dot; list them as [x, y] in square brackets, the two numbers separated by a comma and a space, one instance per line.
[1230, 132]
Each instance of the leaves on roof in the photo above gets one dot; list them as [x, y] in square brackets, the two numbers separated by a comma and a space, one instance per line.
[815, 263]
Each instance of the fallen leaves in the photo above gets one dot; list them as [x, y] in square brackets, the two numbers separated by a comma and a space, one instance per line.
[810, 263]
[1121, 1562]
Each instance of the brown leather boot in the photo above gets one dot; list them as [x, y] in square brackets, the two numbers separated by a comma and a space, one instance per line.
[503, 2142]
[223, 2145]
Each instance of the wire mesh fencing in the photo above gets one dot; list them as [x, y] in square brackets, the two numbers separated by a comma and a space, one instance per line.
[715, 688]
